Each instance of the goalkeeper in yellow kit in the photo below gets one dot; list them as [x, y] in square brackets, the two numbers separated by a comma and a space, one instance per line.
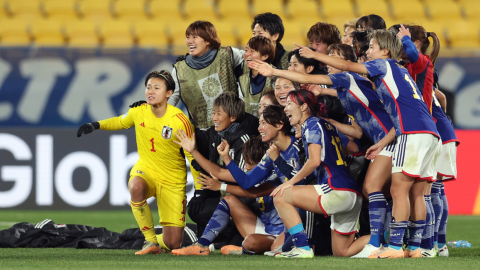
[160, 171]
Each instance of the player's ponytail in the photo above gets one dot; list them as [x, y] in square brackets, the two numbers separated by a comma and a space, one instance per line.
[303, 96]
[436, 46]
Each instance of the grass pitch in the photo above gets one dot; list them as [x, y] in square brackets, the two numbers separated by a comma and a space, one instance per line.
[459, 227]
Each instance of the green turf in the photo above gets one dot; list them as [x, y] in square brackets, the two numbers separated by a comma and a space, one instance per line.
[460, 227]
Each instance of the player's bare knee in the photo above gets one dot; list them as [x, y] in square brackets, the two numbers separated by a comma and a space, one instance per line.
[137, 191]
[230, 199]
[278, 200]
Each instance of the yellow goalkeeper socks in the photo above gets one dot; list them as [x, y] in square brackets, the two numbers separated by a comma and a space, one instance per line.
[161, 243]
[143, 215]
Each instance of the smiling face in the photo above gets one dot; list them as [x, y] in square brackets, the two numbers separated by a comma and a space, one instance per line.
[293, 111]
[221, 119]
[197, 46]
[297, 66]
[156, 92]
[250, 55]
[332, 70]
[267, 131]
[282, 88]
[374, 51]
[347, 36]
[264, 102]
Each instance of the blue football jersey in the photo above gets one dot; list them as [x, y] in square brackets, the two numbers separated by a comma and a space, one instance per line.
[362, 103]
[269, 215]
[444, 126]
[333, 170]
[401, 98]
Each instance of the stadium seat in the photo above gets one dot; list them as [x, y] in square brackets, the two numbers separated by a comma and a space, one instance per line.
[167, 11]
[82, 33]
[408, 11]
[377, 7]
[443, 9]
[435, 26]
[193, 10]
[297, 33]
[116, 34]
[273, 6]
[234, 13]
[303, 10]
[129, 10]
[26, 10]
[151, 34]
[60, 10]
[48, 33]
[97, 11]
[225, 31]
[14, 32]
[336, 9]
[176, 36]
[471, 8]
[463, 34]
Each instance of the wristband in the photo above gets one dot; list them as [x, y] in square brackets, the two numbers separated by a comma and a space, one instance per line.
[223, 187]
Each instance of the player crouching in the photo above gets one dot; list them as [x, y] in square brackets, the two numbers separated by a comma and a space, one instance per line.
[160, 171]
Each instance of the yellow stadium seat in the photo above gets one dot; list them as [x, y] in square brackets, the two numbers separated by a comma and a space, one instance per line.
[14, 32]
[407, 11]
[176, 36]
[463, 34]
[97, 11]
[297, 33]
[227, 35]
[116, 34]
[60, 10]
[437, 26]
[167, 11]
[272, 6]
[28, 10]
[377, 7]
[130, 10]
[48, 33]
[237, 12]
[151, 34]
[82, 33]
[303, 10]
[194, 10]
[471, 8]
[336, 9]
[443, 9]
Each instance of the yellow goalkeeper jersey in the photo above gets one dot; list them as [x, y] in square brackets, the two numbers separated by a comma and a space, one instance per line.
[155, 138]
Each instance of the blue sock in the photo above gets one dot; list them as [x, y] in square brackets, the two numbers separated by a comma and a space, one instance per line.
[415, 231]
[388, 218]
[288, 244]
[437, 204]
[300, 237]
[427, 237]
[216, 224]
[397, 230]
[246, 251]
[442, 230]
[376, 211]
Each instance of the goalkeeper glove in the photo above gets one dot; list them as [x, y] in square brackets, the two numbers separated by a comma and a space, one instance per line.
[87, 128]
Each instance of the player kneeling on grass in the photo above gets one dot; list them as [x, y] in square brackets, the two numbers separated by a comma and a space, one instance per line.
[260, 233]
[160, 171]
[335, 194]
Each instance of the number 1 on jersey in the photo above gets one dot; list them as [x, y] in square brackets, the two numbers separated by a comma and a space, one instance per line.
[337, 148]
[415, 95]
[153, 146]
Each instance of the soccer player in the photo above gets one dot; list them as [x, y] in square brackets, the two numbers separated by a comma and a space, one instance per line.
[335, 194]
[205, 73]
[361, 102]
[417, 145]
[370, 22]
[160, 171]
[267, 99]
[348, 28]
[270, 26]
[252, 84]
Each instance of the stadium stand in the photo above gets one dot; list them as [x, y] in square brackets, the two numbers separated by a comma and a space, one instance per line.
[14, 32]
[130, 11]
[82, 33]
[48, 33]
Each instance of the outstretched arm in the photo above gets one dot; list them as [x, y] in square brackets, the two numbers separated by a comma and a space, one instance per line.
[353, 130]
[267, 71]
[212, 183]
[332, 61]
[189, 145]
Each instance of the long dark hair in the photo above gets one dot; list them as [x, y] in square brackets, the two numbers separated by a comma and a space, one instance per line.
[419, 33]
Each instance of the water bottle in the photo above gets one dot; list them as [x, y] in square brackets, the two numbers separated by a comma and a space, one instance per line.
[459, 243]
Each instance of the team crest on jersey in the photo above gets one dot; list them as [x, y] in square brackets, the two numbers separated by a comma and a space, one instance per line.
[293, 163]
[167, 132]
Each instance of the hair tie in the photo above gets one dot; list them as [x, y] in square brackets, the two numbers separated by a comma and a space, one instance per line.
[428, 34]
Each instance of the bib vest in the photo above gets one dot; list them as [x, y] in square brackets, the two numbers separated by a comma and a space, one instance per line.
[200, 87]
[252, 101]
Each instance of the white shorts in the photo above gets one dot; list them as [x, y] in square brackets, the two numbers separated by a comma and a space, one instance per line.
[343, 207]
[447, 161]
[416, 155]
[260, 227]
[388, 149]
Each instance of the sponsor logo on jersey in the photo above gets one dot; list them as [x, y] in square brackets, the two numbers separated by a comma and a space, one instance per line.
[167, 132]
